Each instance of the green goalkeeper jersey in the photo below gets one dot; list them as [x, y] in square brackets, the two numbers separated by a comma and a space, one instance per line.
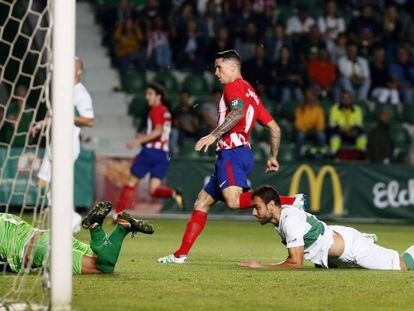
[14, 234]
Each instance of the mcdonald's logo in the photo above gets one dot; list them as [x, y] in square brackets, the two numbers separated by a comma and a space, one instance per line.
[316, 185]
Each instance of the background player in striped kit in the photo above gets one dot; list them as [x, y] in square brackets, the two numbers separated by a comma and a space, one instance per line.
[154, 155]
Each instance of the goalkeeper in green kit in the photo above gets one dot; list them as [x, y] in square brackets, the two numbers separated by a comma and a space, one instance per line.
[25, 247]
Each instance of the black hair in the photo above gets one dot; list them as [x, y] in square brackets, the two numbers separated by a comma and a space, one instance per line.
[184, 90]
[158, 89]
[229, 54]
[267, 193]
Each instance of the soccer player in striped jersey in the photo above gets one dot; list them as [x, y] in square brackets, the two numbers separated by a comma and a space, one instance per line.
[154, 155]
[306, 237]
[239, 109]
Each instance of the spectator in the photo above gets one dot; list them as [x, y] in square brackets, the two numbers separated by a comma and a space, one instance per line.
[355, 75]
[158, 50]
[364, 30]
[259, 6]
[220, 43]
[408, 28]
[266, 15]
[18, 118]
[150, 12]
[310, 122]
[128, 46]
[192, 49]
[380, 145]
[276, 41]
[322, 72]
[125, 11]
[179, 27]
[330, 24]
[209, 113]
[246, 44]
[392, 29]
[288, 79]
[240, 20]
[256, 71]
[299, 24]
[310, 44]
[338, 48]
[346, 124]
[382, 89]
[185, 119]
[402, 74]
[211, 20]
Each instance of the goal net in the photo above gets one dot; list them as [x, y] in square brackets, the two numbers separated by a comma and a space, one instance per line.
[25, 99]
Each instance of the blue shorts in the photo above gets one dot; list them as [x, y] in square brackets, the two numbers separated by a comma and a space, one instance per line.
[153, 161]
[232, 168]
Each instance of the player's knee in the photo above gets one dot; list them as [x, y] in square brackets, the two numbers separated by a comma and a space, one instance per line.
[232, 202]
[201, 205]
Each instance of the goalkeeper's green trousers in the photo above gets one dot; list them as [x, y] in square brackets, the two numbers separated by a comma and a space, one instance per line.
[106, 248]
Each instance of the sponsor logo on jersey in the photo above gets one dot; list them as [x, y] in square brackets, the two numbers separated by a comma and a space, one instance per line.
[316, 186]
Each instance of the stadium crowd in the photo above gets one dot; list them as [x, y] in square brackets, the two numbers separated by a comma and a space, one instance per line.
[338, 75]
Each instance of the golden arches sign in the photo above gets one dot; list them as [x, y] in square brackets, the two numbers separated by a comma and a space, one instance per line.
[316, 185]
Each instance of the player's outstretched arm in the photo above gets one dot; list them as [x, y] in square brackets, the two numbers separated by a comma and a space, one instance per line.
[272, 165]
[294, 261]
[230, 121]
[144, 138]
[83, 121]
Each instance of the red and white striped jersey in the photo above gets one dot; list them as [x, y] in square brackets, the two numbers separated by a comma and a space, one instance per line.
[240, 93]
[159, 115]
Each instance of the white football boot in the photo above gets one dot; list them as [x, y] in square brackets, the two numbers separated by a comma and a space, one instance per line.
[300, 201]
[172, 259]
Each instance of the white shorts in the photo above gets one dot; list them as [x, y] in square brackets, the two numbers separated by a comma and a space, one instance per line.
[363, 252]
[45, 171]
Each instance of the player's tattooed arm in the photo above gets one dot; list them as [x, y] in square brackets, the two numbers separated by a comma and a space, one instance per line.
[229, 122]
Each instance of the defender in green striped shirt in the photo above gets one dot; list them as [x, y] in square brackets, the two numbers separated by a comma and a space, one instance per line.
[306, 237]
[23, 247]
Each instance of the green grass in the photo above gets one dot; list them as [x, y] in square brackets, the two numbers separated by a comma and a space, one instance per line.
[212, 281]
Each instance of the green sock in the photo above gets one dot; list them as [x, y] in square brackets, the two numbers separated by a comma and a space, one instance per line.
[98, 237]
[108, 252]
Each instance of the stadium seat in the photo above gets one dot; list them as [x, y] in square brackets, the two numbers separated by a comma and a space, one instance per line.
[286, 153]
[187, 149]
[136, 107]
[288, 110]
[134, 82]
[167, 79]
[326, 104]
[401, 140]
[408, 114]
[400, 136]
[196, 84]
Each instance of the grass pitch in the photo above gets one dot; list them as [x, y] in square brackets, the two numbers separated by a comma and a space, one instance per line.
[212, 281]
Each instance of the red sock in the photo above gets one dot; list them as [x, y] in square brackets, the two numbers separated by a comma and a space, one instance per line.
[127, 198]
[194, 227]
[245, 200]
[163, 192]
[286, 200]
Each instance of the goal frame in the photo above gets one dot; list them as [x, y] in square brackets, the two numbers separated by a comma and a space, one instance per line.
[63, 73]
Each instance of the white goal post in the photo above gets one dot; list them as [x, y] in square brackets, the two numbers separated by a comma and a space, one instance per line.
[63, 50]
